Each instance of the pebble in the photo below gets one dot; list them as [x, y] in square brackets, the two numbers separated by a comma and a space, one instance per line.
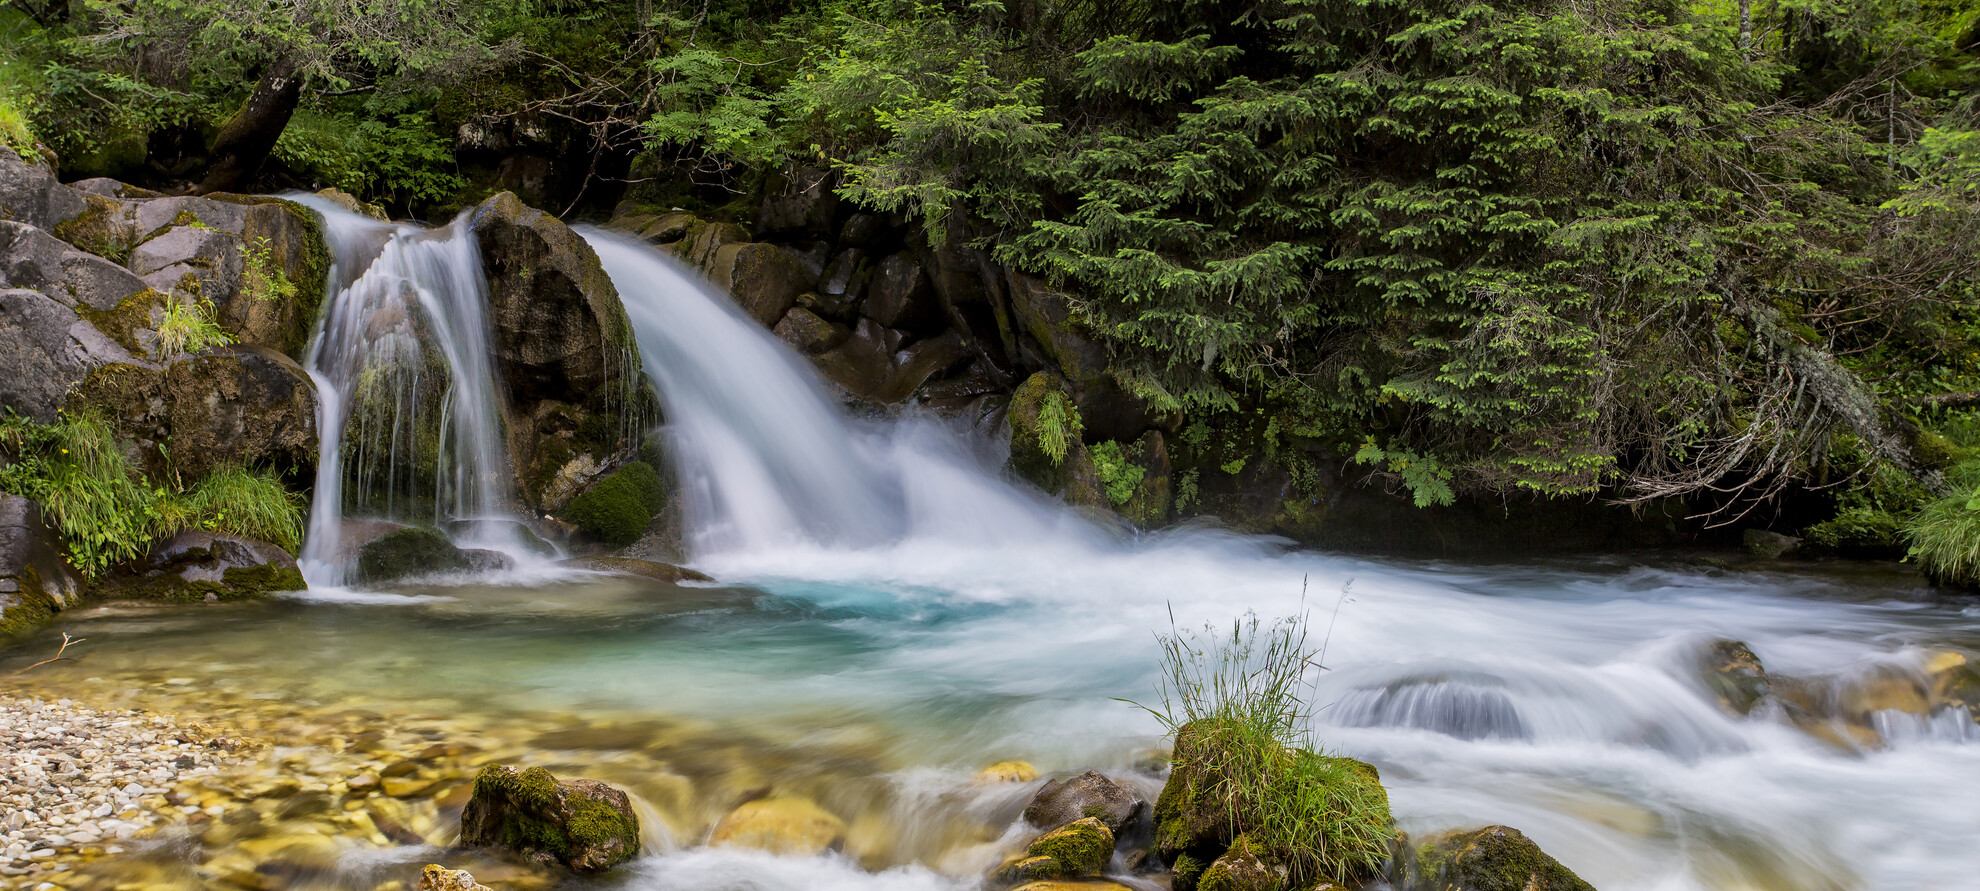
[72, 776]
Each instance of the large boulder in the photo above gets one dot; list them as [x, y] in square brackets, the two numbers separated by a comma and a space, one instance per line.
[585, 825]
[35, 581]
[764, 279]
[47, 350]
[233, 405]
[901, 297]
[406, 552]
[195, 565]
[29, 193]
[809, 333]
[1090, 794]
[564, 345]
[1495, 858]
[33, 259]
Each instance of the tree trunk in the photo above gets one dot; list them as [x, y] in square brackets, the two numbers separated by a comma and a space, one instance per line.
[1746, 26]
[247, 138]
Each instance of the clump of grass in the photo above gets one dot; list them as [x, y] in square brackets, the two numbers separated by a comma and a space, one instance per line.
[1238, 703]
[86, 486]
[189, 328]
[1945, 533]
[249, 503]
[106, 511]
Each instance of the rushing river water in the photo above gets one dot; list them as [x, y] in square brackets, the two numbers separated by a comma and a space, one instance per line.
[892, 615]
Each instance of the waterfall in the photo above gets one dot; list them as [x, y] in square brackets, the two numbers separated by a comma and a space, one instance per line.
[409, 402]
[767, 461]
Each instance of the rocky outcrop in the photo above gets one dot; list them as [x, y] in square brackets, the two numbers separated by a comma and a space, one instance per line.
[35, 581]
[195, 565]
[790, 826]
[30, 194]
[564, 345]
[230, 406]
[1495, 858]
[47, 350]
[585, 825]
[1090, 794]
[763, 279]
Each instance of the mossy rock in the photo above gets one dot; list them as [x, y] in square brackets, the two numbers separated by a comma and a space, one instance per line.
[1246, 866]
[1080, 848]
[1496, 858]
[585, 825]
[616, 509]
[1044, 432]
[407, 552]
[1735, 676]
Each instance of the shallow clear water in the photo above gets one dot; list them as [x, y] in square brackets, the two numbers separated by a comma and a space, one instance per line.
[1560, 699]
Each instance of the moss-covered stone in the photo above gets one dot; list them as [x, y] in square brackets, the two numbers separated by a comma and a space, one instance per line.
[1735, 676]
[1245, 866]
[1496, 858]
[1080, 848]
[133, 323]
[99, 230]
[584, 825]
[408, 552]
[1045, 431]
[615, 509]
[35, 581]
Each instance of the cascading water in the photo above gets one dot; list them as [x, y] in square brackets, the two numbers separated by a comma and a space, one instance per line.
[1559, 701]
[410, 407]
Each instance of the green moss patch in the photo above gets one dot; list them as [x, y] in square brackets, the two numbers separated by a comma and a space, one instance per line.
[407, 552]
[615, 510]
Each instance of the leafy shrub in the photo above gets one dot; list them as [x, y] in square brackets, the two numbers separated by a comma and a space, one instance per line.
[263, 276]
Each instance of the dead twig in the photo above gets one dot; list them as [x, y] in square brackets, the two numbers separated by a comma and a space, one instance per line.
[58, 657]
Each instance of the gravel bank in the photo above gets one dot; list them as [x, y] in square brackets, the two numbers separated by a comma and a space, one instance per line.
[76, 781]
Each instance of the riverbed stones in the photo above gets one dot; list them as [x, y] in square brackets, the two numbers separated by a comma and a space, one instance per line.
[781, 824]
[1495, 858]
[1078, 849]
[586, 825]
[1008, 772]
[1090, 794]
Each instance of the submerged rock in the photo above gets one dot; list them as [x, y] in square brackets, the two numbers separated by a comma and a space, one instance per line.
[781, 825]
[1008, 772]
[1735, 676]
[585, 825]
[659, 572]
[1091, 794]
[1496, 858]
[1077, 849]
[408, 552]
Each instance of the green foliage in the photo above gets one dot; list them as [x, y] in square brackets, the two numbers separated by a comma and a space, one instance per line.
[87, 488]
[188, 327]
[263, 277]
[1237, 704]
[399, 156]
[15, 132]
[1120, 476]
[1059, 425]
[105, 510]
[1945, 533]
[1428, 482]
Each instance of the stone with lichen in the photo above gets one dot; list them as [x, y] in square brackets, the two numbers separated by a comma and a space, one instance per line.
[585, 825]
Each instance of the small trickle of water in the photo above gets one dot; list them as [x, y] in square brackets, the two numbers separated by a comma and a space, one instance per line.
[409, 403]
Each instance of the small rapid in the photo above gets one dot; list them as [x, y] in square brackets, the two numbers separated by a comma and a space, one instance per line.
[1564, 702]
